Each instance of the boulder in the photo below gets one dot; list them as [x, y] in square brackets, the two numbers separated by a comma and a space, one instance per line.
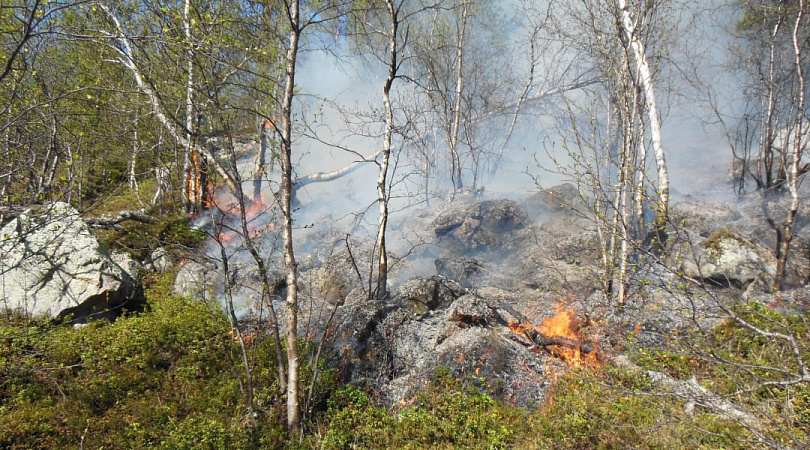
[198, 279]
[555, 199]
[480, 226]
[467, 271]
[53, 265]
[704, 218]
[128, 263]
[420, 295]
[727, 259]
[161, 260]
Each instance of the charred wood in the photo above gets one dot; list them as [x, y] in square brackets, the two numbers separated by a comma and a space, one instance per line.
[543, 341]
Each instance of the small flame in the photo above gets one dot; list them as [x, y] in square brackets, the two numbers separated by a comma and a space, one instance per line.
[566, 326]
[209, 196]
[520, 328]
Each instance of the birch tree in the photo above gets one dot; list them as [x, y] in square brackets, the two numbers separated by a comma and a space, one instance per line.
[609, 126]
[771, 135]
[462, 69]
[379, 26]
[630, 21]
[298, 16]
[762, 57]
[795, 156]
[293, 11]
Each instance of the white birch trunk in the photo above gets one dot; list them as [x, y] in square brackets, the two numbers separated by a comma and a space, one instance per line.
[646, 80]
[767, 134]
[291, 267]
[382, 195]
[456, 159]
[126, 59]
[190, 188]
[793, 170]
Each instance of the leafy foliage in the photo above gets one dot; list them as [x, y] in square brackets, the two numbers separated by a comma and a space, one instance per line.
[751, 369]
[169, 378]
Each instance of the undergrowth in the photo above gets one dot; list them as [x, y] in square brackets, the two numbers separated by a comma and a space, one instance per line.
[169, 377]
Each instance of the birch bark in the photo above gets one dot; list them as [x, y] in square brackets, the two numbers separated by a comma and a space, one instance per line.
[291, 267]
[127, 60]
[796, 157]
[190, 188]
[382, 195]
[453, 141]
[654, 115]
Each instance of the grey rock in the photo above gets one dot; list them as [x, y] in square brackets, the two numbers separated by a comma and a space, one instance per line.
[420, 295]
[53, 265]
[397, 348]
[727, 259]
[128, 263]
[197, 279]
[472, 310]
[161, 260]
[467, 271]
[704, 218]
[555, 199]
[479, 226]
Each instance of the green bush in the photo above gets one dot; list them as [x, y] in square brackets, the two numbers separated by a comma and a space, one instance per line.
[168, 376]
[735, 361]
[446, 415]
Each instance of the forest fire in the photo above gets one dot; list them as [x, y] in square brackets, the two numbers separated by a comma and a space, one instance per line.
[230, 229]
[560, 336]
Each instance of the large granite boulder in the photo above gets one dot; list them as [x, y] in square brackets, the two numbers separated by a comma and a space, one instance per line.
[52, 264]
[560, 198]
[703, 218]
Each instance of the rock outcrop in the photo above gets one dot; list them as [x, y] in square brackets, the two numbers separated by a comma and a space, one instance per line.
[556, 199]
[52, 264]
[481, 226]
[433, 322]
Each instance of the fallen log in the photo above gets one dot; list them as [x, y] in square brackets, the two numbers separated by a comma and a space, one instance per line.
[693, 394]
[542, 340]
[111, 223]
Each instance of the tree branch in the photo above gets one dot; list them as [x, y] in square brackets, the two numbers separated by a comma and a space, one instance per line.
[111, 223]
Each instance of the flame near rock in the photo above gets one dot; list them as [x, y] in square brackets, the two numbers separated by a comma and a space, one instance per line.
[560, 336]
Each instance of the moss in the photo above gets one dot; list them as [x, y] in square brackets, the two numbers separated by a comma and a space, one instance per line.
[173, 231]
[713, 242]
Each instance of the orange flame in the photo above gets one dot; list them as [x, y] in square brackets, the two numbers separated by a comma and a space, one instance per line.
[567, 325]
[253, 208]
[520, 328]
[563, 323]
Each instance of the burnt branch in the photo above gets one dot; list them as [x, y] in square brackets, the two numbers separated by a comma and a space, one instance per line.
[541, 340]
